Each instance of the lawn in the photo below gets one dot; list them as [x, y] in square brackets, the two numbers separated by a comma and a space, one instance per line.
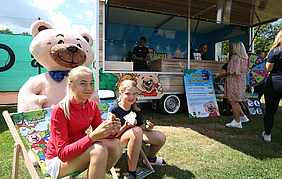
[199, 148]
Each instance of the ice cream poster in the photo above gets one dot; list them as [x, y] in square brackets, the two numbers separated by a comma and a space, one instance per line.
[200, 95]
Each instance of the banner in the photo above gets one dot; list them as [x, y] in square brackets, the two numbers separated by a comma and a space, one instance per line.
[254, 107]
[200, 95]
[257, 72]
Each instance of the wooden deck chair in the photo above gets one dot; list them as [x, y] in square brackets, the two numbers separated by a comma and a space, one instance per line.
[107, 98]
[30, 131]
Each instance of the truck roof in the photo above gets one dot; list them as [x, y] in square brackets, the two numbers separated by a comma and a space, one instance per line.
[238, 12]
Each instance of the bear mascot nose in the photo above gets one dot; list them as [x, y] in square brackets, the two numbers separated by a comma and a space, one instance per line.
[72, 49]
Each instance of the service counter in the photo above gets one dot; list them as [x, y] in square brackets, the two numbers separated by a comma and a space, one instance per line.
[178, 65]
[174, 83]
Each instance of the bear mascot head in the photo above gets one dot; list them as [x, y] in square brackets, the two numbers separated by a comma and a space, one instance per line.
[58, 51]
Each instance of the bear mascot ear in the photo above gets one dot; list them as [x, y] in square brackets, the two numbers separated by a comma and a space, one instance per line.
[38, 26]
[88, 38]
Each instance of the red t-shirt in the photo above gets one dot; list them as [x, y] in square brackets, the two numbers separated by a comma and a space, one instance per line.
[68, 138]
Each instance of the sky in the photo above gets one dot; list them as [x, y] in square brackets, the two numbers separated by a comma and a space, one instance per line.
[18, 15]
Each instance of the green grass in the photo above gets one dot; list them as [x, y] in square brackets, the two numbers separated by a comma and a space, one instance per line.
[199, 149]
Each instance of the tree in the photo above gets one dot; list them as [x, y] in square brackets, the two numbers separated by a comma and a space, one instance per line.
[6, 31]
[25, 33]
[265, 36]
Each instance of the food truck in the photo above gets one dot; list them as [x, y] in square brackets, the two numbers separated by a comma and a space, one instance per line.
[174, 31]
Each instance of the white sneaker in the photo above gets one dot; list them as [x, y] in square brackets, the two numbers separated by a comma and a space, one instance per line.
[244, 118]
[234, 124]
[266, 138]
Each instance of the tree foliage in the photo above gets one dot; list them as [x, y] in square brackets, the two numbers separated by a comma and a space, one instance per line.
[25, 33]
[6, 31]
[265, 36]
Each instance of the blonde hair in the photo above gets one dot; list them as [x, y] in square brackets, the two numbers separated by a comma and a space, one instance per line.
[277, 41]
[124, 82]
[73, 74]
[124, 77]
[239, 49]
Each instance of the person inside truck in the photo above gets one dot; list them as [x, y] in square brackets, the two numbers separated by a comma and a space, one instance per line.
[203, 50]
[140, 55]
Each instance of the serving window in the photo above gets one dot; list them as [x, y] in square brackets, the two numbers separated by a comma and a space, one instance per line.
[166, 41]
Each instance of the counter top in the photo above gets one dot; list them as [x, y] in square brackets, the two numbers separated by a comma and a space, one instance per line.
[178, 65]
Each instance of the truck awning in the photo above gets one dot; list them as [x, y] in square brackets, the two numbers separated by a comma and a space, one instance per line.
[238, 12]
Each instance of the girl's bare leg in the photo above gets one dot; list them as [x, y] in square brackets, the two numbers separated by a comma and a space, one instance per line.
[115, 151]
[96, 158]
[236, 109]
[156, 139]
[133, 139]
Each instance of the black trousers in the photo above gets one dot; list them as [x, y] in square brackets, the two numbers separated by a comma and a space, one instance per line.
[272, 96]
[259, 90]
[271, 106]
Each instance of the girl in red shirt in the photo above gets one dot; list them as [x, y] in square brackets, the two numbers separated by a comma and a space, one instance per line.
[69, 148]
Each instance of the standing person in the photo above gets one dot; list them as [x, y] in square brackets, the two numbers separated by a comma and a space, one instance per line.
[140, 56]
[221, 77]
[258, 89]
[273, 85]
[203, 50]
[134, 130]
[236, 83]
[69, 148]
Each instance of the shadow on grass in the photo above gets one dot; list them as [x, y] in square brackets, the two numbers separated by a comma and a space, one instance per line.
[171, 171]
[247, 140]
[160, 171]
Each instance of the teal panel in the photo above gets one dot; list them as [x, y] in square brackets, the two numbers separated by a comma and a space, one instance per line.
[18, 74]
[107, 81]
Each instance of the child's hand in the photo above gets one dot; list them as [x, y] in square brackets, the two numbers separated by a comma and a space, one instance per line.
[124, 128]
[129, 124]
[113, 118]
[107, 129]
[149, 125]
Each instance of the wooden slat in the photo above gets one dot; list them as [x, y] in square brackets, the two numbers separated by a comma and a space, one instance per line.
[32, 171]
[15, 168]
[143, 155]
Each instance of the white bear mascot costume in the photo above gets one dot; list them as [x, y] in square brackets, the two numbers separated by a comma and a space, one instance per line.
[58, 51]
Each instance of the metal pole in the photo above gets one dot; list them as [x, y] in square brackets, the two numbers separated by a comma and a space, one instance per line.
[188, 36]
[97, 44]
[251, 37]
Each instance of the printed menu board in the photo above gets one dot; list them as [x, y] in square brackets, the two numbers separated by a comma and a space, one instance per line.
[200, 95]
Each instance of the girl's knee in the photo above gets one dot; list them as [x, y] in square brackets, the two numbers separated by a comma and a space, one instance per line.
[136, 133]
[162, 138]
[98, 151]
[159, 138]
[114, 147]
